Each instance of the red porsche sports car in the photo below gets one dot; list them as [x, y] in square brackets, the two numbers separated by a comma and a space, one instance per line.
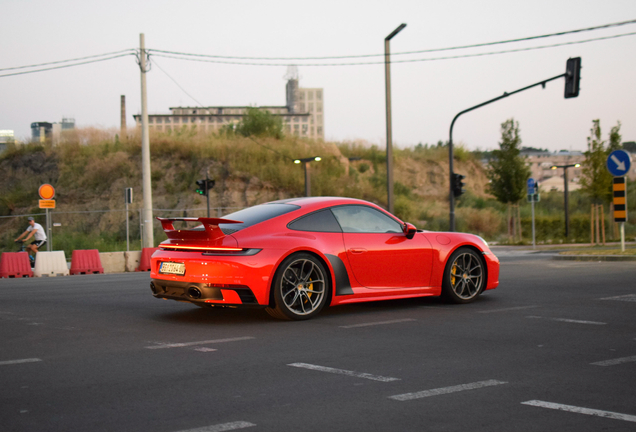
[296, 256]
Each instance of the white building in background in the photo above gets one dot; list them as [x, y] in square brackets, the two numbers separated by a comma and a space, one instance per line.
[6, 137]
[302, 116]
[42, 131]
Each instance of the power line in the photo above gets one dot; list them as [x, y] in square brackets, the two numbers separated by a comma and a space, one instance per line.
[563, 33]
[174, 81]
[129, 50]
[66, 66]
[157, 53]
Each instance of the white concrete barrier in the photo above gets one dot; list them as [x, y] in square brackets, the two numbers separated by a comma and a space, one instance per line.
[132, 260]
[113, 262]
[50, 264]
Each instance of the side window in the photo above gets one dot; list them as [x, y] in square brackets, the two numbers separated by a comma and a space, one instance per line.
[320, 221]
[357, 218]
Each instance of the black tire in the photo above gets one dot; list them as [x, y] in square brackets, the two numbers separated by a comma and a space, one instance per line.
[301, 287]
[464, 276]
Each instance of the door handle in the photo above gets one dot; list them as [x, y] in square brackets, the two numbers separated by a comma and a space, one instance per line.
[357, 250]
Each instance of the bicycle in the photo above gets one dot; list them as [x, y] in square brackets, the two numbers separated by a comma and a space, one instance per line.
[24, 249]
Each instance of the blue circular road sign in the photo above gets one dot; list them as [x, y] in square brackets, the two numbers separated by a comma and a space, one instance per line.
[618, 163]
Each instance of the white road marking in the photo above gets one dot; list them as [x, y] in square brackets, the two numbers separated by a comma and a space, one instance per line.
[508, 309]
[614, 362]
[446, 390]
[222, 427]
[204, 349]
[568, 320]
[379, 323]
[344, 372]
[186, 344]
[627, 298]
[579, 410]
[29, 360]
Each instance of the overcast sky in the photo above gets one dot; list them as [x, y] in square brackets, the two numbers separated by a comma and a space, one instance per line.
[426, 94]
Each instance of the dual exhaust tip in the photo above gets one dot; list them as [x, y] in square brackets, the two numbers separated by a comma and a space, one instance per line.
[193, 292]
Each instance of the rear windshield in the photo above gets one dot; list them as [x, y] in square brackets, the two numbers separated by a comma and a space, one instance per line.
[253, 215]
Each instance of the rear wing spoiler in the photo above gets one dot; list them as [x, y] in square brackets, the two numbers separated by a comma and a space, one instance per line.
[211, 226]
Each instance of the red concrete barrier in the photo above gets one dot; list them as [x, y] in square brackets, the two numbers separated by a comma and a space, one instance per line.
[144, 261]
[15, 264]
[86, 262]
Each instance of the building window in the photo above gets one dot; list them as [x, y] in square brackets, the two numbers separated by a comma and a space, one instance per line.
[184, 120]
[193, 119]
[319, 119]
[319, 107]
[301, 95]
[168, 120]
[202, 119]
[319, 130]
[194, 111]
[311, 107]
[159, 120]
[319, 94]
[150, 120]
[302, 107]
[305, 129]
[159, 128]
[310, 95]
[168, 129]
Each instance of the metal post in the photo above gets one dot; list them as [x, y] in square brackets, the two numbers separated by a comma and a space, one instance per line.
[623, 236]
[307, 180]
[148, 236]
[207, 189]
[141, 229]
[127, 230]
[48, 232]
[534, 244]
[389, 131]
[565, 184]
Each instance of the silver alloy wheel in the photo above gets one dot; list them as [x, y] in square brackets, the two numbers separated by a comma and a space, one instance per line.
[466, 276]
[302, 287]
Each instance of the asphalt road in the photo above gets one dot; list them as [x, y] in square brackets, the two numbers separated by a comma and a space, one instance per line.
[552, 349]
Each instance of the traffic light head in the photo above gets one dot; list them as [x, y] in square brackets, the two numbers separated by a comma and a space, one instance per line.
[458, 185]
[201, 187]
[572, 77]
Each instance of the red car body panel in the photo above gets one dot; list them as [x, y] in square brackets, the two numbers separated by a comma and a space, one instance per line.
[239, 268]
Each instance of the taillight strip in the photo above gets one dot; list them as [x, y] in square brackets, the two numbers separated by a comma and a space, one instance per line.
[207, 248]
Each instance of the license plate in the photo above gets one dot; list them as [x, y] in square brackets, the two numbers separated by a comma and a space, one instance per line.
[172, 268]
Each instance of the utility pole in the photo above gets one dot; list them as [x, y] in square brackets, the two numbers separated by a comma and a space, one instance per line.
[122, 127]
[389, 125]
[148, 236]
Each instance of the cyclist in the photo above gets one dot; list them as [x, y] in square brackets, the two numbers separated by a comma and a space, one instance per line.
[36, 231]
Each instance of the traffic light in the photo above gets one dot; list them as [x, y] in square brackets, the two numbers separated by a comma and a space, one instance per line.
[458, 185]
[572, 77]
[204, 185]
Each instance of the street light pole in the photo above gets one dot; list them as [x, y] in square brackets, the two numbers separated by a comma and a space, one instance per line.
[565, 193]
[305, 162]
[148, 236]
[389, 131]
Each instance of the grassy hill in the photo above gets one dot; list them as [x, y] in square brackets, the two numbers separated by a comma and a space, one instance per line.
[93, 167]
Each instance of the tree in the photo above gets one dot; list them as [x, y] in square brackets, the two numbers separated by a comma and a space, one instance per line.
[507, 171]
[596, 180]
[260, 123]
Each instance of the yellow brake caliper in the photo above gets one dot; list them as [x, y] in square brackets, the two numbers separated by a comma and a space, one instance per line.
[453, 270]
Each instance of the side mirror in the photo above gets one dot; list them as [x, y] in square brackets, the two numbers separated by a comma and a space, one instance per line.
[409, 230]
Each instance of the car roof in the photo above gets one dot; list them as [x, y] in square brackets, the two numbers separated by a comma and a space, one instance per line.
[312, 203]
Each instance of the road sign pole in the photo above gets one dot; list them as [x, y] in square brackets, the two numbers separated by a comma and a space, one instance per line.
[534, 244]
[48, 232]
[623, 236]
[127, 230]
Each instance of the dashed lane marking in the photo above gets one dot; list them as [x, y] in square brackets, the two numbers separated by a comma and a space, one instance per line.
[10, 362]
[206, 342]
[343, 372]
[446, 390]
[614, 362]
[627, 298]
[222, 427]
[568, 320]
[579, 410]
[508, 309]
[378, 323]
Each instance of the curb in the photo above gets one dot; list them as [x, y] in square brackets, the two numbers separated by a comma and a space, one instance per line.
[594, 257]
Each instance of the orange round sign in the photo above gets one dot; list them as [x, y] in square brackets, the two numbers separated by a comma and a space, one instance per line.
[46, 192]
